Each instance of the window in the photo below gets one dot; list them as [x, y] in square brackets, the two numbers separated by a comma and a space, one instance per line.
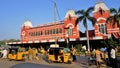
[59, 30]
[40, 32]
[46, 32]
[50, 31]
[53, 31]
[102, 28]
[30, 33]
[100, 11]
[34, 34]
[69, 31]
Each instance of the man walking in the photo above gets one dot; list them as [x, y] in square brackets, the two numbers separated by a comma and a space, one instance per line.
[113, 58]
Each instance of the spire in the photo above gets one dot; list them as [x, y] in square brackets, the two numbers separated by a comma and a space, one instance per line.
[101, 5]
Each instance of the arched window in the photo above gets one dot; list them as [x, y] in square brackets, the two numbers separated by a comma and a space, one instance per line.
[100, 11]
[69, 31]
[39, 33]
[34, 34]
[50, 31]
[53, 31]
[59, 30]
[102, 28]
[46, 32]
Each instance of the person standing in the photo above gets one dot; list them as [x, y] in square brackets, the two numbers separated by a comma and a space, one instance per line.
[109, 55]
[30, 53]
[35, 54]
[4, 52]
[113, 58]
[74, 54]
[98, 57]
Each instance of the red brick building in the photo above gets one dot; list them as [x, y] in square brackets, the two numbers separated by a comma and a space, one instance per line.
[61, 30]
[52, 31]
[101, 13]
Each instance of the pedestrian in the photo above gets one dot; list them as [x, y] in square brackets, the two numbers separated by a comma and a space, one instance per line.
[35, 54]
[4, 52]
[98, 54]
[109, 55]
[84, 49]
[30, 53]
[113, 58]
[74, 54]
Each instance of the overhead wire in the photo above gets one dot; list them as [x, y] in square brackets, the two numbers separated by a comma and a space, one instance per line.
[59, 18]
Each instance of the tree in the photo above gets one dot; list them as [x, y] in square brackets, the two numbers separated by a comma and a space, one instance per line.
[2, 42]
[84, 16]
[110, 42]
[13, 40]
[115, 17]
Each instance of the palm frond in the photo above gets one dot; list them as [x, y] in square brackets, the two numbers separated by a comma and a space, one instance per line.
[79, 19]
[93, 20]
[80, 12]
[109, 19]
[113, 10]
[119, 11]
[89, 10]
[85, 22]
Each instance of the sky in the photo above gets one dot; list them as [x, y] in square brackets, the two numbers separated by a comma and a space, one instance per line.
[13, 13]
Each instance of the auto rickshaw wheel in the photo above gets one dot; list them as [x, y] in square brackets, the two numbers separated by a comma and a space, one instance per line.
[69, 62]
[10, 59]
[50, 61]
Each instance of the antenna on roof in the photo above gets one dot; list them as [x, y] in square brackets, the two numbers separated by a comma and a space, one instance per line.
[55, 11]
[55, 19]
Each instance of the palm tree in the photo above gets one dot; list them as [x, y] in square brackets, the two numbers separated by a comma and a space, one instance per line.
[84, 16]
[115, 17]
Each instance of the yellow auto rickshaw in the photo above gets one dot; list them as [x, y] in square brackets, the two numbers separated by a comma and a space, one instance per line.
[15, 54]
[43, 51]
[59, 54]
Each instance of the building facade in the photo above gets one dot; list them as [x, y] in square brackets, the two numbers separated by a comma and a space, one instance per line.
[60, 31]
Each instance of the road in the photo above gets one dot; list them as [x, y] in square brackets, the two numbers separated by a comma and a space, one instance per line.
[82, 62]
[5, 63]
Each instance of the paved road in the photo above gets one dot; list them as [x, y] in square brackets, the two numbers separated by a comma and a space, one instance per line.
[5, 63]
[84, 61]
[81, 63]
[32, 65]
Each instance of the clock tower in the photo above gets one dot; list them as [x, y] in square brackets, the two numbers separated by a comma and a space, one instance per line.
[101, 13]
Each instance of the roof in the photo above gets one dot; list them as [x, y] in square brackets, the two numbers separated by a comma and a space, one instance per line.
[71, 13]
[27, 23]
[100, 5]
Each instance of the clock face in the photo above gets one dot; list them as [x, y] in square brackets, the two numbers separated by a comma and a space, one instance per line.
[23, 33]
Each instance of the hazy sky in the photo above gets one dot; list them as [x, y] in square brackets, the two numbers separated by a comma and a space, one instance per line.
[13, 13]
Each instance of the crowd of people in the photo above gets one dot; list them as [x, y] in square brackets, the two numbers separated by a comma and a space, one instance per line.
[32, 53]
[98, 55]
[104, 54]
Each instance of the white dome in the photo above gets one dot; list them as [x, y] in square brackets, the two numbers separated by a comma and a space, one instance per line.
[27, 23]
[70, 12]
[100, 5]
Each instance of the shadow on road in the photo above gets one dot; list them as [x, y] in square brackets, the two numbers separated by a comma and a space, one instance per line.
[32, 65]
